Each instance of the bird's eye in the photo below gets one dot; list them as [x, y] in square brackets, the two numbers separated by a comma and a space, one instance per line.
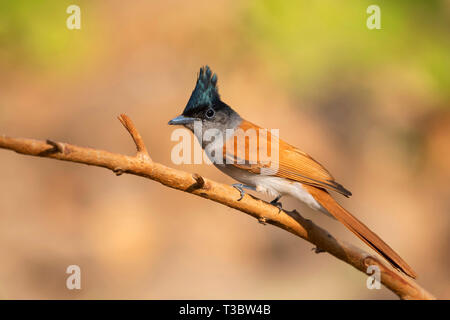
[210, 113]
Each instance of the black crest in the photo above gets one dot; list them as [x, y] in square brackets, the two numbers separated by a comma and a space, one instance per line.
[205, 92]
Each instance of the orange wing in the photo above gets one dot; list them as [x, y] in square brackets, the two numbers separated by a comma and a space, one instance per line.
[291, 164]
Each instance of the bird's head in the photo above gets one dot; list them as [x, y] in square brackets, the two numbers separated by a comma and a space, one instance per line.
[205, 105]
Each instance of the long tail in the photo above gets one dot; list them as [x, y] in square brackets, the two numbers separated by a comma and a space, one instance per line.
[358, 228]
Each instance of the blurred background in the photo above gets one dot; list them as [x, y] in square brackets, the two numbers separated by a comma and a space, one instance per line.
[373, 106]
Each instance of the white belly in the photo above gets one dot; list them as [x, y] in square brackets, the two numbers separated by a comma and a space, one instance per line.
[273, 186]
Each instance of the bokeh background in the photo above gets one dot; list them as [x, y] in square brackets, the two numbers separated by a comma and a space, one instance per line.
[371, 105]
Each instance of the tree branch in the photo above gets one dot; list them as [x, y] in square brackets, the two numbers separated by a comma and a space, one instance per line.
[142, 165]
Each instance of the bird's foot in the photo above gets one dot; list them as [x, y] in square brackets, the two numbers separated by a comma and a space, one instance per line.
[240, 187]
[277, 204]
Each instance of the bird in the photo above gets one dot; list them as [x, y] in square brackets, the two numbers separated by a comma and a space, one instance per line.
[292, 173]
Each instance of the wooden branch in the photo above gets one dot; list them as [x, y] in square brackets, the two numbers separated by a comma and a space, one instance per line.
[142, 165]
[138, 141]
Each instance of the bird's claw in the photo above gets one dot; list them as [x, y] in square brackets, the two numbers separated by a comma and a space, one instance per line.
[277, 204]
[239, 187]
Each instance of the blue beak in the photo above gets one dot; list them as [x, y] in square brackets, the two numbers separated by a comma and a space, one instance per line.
[181, 120]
